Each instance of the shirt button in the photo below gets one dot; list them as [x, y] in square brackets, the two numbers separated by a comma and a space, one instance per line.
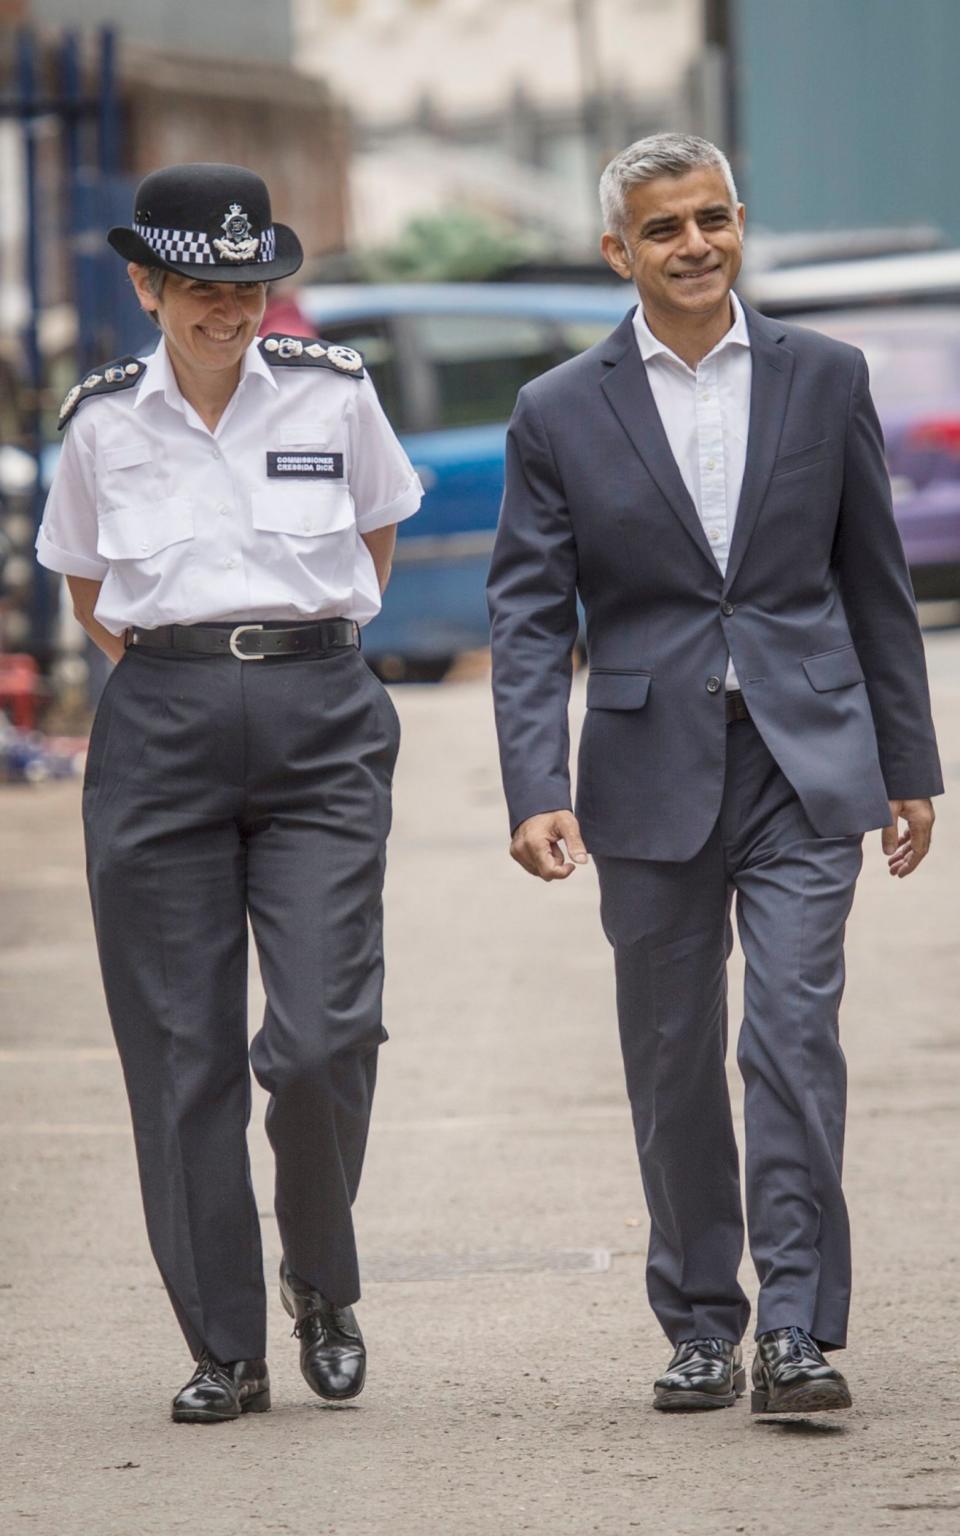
[711, 463]
[222, 509]
[215, 453]
[726, 609]
[230, 564]
[714, 535]
[144, 549]
[713, 685]
[704, 394]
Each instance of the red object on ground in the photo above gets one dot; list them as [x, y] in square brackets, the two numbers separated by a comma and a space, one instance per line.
[20, 689]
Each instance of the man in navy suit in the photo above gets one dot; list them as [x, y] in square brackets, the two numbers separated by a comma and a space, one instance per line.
[712, 484]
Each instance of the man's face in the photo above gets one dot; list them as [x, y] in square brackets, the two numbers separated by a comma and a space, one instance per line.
[682, 243]
[207, 325]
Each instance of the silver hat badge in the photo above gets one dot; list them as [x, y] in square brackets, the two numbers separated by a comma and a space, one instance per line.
[238, 243]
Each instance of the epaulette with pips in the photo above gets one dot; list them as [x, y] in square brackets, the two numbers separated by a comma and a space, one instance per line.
[304, 352]
[122, 373]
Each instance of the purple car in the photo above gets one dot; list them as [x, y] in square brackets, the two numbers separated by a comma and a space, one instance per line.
[914, 359]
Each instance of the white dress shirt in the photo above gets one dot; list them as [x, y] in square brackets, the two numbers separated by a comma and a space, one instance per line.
[183, 525]
[705, 414]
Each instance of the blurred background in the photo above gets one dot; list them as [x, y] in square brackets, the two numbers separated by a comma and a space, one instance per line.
[439, 159]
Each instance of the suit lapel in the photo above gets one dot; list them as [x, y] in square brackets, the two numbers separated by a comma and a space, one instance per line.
[769, 392]
[627, 388]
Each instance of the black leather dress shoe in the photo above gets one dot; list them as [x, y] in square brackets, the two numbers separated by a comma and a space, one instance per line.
[332, 1354]
[217, 1392]
[704, 1373]
[790, 1375]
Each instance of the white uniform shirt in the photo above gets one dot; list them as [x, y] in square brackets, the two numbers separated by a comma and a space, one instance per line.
[705, 414]
[183, 525]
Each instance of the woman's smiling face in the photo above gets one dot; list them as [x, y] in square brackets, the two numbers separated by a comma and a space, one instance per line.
[208, 326]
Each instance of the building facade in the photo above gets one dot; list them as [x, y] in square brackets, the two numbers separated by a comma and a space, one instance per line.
[509, 109]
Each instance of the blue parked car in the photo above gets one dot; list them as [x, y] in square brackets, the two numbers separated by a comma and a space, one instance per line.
[447, 361]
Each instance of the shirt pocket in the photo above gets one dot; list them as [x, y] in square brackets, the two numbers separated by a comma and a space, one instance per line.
[127, 476]
[137, 532]
[305, 434]
[302, 509]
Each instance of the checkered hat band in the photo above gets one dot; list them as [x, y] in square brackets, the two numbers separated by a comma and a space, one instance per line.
[193, 249]
[177, 244]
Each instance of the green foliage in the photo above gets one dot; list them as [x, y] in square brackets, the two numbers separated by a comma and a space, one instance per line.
[454, 246]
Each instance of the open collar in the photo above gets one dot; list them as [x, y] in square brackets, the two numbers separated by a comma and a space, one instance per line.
[651, 346]
[160, 379]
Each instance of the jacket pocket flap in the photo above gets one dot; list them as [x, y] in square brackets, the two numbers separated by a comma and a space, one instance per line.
[617, 690]
[802, 458]
[834, 669]
[135, 533]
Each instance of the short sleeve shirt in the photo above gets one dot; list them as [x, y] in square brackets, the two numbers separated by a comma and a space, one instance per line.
[260, 519]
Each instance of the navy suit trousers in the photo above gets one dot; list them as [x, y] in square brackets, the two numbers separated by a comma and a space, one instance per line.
[670, 927]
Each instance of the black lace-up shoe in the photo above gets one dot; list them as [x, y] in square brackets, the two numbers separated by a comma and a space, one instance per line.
[790, 1375]
[704, 1373]
[216, 1392]
[332, 1354]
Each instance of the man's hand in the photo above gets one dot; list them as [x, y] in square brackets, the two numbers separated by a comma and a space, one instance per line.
[536, 845]
[905, 850]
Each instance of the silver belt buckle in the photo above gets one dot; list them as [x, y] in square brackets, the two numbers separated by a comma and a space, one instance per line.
[235, 634]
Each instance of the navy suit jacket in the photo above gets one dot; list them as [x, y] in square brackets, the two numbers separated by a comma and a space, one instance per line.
[816, 607]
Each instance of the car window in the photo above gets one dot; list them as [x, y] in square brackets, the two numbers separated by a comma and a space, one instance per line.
[479, 362]
[375, 341]
[575, 336]
[906, 367]
[910, 369]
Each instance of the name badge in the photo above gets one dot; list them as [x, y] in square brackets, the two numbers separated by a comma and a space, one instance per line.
[305, 466]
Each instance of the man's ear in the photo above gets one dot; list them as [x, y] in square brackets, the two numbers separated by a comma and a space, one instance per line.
[613, 252]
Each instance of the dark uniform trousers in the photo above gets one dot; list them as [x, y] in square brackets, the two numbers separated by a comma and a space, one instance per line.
[218, 789]
[669, 924]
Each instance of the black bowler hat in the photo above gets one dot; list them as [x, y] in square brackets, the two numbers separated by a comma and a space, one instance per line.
[208, 221]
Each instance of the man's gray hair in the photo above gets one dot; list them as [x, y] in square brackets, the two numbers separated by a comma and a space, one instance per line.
[662, 154]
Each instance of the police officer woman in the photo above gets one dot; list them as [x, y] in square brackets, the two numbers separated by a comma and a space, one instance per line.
[224, 512]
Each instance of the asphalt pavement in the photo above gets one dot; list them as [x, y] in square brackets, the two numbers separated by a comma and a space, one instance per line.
[501, 1219]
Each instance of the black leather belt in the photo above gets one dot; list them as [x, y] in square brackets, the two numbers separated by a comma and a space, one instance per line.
[247, 642]
[736, 706]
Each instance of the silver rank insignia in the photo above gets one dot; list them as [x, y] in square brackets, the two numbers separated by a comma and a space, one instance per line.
[239, 243]
[345, 358]
[71, 400]
[113, 377]
[305, 352]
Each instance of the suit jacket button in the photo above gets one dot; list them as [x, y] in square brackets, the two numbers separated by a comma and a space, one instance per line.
[726, 609]
[713, 685]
